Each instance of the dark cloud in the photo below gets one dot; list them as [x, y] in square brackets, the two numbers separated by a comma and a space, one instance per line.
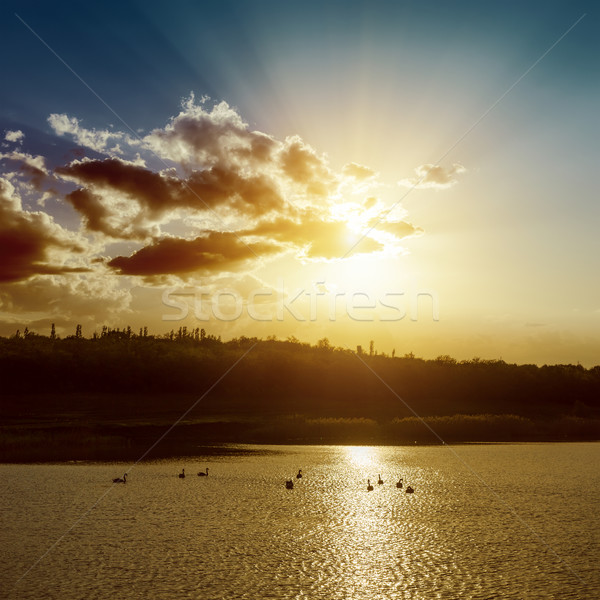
[157, 194]
[99, 218]
[27, 239]
[302, 165]
[33, 167]
[214, 253]
[252, 194]
[219, 137]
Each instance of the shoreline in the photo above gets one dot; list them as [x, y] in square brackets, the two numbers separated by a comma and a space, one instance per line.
[62, 444]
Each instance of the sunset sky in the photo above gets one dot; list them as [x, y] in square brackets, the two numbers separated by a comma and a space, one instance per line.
[420, 174]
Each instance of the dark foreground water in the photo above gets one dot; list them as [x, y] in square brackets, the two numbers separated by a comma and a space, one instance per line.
[494, 521]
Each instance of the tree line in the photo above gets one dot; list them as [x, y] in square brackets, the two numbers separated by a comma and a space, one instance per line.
[289, 376]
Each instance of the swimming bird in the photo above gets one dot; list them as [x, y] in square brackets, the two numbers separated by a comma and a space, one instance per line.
[369, 486]
[182, 474]
[202, 474]
[299, 476]
[289, 484]
[399, 484]
[409, 490]
[380, 481]
[120, 480]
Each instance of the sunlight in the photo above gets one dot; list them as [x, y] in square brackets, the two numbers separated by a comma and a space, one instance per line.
[361, 456]
[362, 272]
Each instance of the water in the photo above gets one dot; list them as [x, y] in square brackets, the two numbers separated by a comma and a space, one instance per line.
[529, 528]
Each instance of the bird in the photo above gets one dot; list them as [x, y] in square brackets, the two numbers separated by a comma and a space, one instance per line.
[299, 476]
[380, 481]
[120, 480]
[182, 474]
[369, 486]
[203, 474]
[289, 484]
[409, 490]
[399, 484]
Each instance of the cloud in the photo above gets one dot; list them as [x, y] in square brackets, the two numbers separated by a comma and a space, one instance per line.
[108, 219]
[32, 243]
[315, 237]
[223, 198]
[202, 138]
[203, 197]
[32, 166]
[434, 176]
[14, 136]
[220, 169]
[214, 253]
[89, 298]
[199, 138]
[303, 166]
[357, 171]
[399, 229]
[111, 183]
[97, 140]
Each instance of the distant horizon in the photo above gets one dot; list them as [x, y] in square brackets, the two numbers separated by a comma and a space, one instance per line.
[325, 342]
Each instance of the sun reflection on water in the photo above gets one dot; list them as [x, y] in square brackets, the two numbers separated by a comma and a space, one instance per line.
[377, 542]
[362, 456]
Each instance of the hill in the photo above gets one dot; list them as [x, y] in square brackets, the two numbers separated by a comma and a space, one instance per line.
[112, 395]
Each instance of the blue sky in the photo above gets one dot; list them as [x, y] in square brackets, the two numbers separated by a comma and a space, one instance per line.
[142, 57]
[510, 247]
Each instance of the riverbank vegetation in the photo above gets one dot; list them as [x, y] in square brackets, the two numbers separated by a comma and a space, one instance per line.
[113, 394]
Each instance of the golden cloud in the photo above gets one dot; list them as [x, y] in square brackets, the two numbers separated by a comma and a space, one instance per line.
[434, 176]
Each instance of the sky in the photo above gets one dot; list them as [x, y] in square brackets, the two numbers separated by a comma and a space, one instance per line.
[419, 174]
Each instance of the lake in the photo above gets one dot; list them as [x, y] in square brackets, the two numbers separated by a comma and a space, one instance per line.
[485, 521]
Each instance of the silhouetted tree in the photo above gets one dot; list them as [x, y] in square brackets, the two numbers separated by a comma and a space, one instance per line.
[324, 344]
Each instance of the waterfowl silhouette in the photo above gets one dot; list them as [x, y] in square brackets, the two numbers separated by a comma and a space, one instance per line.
[203, 474]
[380, 481]
[299, 476]
[120, 480]
[289, 484]
[182, 474]
[399, 484]
[409, 490]
[369, 486]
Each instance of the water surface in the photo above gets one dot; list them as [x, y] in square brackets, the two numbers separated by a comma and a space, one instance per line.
[492, 521]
